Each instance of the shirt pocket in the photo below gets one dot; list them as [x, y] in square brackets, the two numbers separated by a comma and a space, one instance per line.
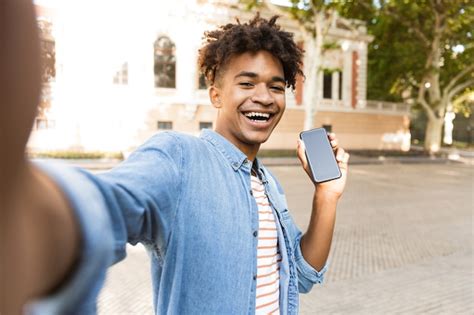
[279, 203]
[284, 214]
[291, 230]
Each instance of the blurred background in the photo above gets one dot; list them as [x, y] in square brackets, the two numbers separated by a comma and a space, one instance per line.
[393, 79]
[383, 76]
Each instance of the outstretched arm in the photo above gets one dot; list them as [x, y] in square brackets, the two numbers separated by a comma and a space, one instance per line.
[316, 242]
[39, 238]
[66, 226]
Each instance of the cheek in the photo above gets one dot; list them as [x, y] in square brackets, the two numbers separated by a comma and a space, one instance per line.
[282, 107]
[282, 103]
[238, 95]
[232, 103]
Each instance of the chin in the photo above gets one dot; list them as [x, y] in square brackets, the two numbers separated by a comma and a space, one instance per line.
[257, 139]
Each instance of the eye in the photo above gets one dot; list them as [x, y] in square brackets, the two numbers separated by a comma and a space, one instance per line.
[278, 88]
[246, 84]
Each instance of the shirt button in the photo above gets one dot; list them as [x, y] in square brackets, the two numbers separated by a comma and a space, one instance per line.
[251, 192]
[254, 277]
[255, 233]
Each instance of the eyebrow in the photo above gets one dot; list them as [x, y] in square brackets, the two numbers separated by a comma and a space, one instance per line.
[254, 75]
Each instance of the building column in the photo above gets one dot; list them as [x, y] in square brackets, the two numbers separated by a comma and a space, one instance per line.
[335, 86]
[347, 77]
[355, 79]
[362, 80]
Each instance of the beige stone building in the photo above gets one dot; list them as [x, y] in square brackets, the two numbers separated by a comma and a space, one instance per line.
[126, 70]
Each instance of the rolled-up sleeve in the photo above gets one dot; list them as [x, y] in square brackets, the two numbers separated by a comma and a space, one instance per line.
[307, 275]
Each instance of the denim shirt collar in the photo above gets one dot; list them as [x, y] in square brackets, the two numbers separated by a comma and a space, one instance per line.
[235, 157]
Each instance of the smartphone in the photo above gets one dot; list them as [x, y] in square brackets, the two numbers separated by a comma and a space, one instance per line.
[320, 156]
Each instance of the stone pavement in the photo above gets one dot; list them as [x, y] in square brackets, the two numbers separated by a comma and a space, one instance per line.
[403, 244]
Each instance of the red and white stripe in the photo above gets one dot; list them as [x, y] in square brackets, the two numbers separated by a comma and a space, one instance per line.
[268, 255]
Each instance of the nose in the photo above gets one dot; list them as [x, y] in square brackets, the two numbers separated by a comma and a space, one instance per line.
[262, 95]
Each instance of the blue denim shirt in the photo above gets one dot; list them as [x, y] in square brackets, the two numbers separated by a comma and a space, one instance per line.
[189, 201]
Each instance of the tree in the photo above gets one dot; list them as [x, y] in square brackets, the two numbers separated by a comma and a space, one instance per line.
[422, 53]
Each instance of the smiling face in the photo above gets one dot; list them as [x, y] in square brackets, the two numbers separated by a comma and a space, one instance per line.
[250, 96]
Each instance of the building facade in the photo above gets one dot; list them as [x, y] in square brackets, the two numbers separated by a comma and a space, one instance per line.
[120, 71]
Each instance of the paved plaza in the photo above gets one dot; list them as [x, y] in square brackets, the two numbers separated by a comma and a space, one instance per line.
[403, 244]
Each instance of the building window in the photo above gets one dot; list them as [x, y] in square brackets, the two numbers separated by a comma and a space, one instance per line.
[205, 125]
[327, 85]
[165, 63]
[328, 128]
[121, 76]
[202, 85]
[165, 125]
[43, 124]
[340, 85]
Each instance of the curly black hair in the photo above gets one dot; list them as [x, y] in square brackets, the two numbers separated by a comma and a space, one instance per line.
[258, 34]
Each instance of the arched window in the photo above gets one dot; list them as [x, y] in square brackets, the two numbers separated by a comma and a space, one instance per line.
[165, 63]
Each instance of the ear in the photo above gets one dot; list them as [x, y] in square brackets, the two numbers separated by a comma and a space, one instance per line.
[214, 96]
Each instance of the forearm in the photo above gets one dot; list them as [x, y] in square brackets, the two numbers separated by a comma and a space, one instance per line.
[316, 242]
[40, 240]
[38, 234]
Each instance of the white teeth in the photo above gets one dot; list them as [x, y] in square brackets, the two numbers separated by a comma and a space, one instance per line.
[254, 114]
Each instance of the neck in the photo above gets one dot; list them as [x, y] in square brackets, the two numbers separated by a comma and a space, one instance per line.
[250, 150]
[250, 153]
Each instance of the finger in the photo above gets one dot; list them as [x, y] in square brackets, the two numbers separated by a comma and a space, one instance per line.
[331, 136]
[334, 144]
[346, 158]
[300, 150]
[340, 154]
[343, 163]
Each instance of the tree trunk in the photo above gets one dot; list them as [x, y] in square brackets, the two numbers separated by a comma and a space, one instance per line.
[434, 130]
[312, 88]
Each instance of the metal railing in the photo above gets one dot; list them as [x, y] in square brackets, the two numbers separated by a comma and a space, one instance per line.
[387, 106]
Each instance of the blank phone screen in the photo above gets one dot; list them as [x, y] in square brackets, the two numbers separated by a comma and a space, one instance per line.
[320, 155]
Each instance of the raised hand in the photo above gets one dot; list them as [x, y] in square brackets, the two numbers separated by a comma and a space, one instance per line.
[336, 186]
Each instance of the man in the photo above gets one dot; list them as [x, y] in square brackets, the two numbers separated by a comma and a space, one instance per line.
[213, 218]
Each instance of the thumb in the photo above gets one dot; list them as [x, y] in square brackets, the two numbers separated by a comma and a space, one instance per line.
[300, 150]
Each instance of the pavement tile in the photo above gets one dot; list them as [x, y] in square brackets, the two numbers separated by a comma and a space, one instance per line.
[403, 244]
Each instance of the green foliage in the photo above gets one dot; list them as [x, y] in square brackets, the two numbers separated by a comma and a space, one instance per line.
[464, 105]
[398, 55]
[464, 109]
[250, 4]
[331, 70]
[463, 145]
[331, 46]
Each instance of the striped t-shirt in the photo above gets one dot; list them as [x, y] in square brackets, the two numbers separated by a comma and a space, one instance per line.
[268, 255]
